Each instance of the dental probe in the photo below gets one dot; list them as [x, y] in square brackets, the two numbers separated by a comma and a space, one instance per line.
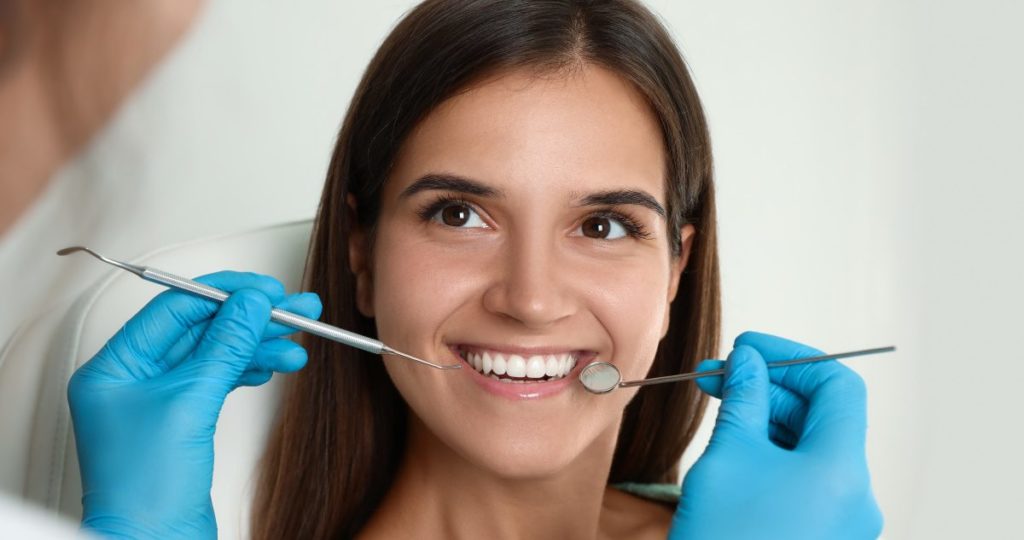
[602, 377]
[286, 318]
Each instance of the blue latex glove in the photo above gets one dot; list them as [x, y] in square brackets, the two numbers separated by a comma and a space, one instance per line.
[146, 406]
[786, 458]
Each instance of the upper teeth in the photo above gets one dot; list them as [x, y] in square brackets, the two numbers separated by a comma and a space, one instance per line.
[513, 365]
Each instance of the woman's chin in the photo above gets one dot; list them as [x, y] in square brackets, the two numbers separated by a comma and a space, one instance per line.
[513, 455]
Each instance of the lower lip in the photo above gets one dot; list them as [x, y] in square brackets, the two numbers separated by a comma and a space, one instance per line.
[523, 391]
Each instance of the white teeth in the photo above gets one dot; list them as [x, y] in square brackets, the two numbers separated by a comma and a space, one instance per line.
[485, 362]
[516, 366]
[545, 367]
[535, 367]
[552, 367]
[498, 364]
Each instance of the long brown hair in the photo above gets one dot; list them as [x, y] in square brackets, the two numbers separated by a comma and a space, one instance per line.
[336, 447]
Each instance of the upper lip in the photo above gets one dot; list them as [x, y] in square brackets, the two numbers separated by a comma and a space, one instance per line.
[522, 351]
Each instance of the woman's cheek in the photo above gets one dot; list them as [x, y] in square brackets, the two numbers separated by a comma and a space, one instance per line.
[417, 286]
[630, 303]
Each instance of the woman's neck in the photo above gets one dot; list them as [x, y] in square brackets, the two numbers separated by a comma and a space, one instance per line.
[439, 494]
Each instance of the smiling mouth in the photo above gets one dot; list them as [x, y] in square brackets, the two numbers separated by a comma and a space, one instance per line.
[518, 368]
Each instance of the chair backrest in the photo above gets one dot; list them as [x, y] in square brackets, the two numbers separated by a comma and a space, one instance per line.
[38, 458]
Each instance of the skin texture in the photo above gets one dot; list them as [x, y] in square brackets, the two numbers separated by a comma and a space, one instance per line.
[529, 277]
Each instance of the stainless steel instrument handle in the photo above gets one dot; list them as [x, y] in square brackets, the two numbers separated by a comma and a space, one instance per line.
[280, 316]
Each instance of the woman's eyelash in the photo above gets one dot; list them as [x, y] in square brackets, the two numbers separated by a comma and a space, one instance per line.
[633, 228]
[428, 210]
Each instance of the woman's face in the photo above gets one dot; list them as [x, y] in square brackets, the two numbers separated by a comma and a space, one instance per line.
[522, 230]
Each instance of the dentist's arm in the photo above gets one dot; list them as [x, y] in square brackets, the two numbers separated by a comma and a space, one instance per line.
[786, 458]
[145, 407]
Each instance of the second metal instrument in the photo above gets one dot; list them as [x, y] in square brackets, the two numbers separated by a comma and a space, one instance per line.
[603, 377]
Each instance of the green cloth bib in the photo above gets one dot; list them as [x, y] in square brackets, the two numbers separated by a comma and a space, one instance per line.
[666, 493]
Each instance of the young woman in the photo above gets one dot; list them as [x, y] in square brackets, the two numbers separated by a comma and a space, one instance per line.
[522, 187]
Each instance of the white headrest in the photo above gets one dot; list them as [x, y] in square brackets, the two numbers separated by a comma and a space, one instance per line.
[38, 457]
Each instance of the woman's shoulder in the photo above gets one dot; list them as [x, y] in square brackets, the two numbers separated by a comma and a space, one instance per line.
[638, 510]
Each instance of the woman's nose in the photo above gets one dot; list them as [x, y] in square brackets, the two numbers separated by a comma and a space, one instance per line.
[529, 286]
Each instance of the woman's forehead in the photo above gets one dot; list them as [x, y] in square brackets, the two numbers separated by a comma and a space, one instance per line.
[570, 133]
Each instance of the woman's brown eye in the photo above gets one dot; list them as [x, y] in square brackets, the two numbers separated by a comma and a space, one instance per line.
[603, 228]
[458, 215]
[455, 215]
[595, 227]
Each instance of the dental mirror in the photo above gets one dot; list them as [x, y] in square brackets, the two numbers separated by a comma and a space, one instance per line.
[603, 377]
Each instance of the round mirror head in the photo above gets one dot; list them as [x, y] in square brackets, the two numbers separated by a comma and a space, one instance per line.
[600, 377]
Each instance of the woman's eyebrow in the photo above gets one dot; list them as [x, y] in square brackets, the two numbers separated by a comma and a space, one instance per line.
[461, 184]
[451, 182]
[623, 196]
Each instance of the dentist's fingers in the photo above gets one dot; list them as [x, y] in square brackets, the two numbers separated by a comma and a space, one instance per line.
[837, 407]
[231, 341]
[745, 408]
[774, 349]
[275, 355]
[782, 436]
[138, 349]
[711, 385]
[280, 355]
[305, 304]
[254, 378]
[787, 408]
[836, 396]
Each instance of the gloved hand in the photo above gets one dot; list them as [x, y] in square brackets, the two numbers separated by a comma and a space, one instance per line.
[786, 458]
[145, 407]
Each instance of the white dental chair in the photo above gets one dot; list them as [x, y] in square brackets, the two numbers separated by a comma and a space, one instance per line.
[37, 449]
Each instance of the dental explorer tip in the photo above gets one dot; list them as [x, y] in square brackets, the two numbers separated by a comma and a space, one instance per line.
[389, 350]
[137, 270]
[69, 250]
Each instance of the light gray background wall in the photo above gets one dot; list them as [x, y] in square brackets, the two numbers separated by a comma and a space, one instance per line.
[869, 194]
